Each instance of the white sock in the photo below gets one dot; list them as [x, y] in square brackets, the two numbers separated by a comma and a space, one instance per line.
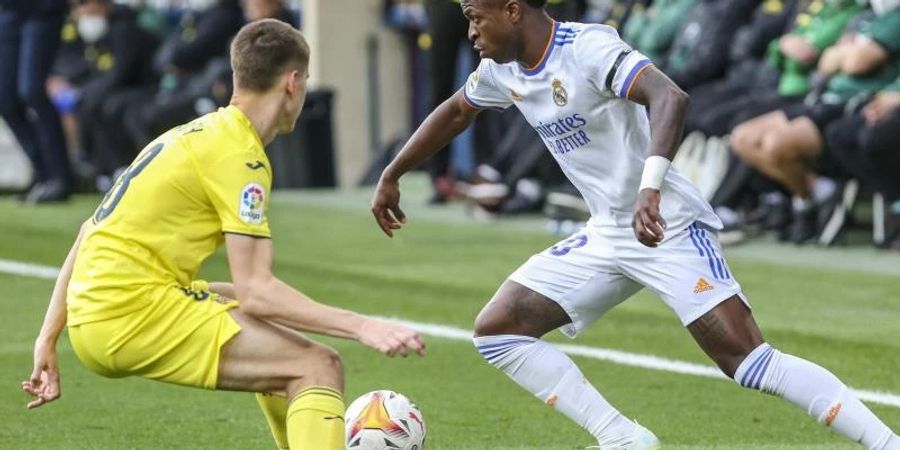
[548, 373]
[822, 188]
[818, 392]
[800, 204]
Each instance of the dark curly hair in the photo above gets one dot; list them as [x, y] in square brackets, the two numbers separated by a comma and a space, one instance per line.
[536, 3]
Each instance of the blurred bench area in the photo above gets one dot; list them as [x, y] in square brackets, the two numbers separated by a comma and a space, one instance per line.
[792, 131]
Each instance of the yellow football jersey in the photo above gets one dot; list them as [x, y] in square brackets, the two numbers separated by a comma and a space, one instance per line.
[167, 213]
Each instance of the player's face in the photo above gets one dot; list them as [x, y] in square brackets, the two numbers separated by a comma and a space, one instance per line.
[492, 28]
[295, 97]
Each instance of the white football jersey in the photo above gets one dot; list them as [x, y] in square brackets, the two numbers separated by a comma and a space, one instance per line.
[576, 100]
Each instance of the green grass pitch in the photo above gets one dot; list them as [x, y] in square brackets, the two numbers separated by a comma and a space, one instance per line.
[443, 271]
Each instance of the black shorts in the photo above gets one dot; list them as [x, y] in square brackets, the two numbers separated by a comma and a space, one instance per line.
[821, 114]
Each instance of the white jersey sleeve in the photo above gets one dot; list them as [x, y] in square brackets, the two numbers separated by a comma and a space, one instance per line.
[611, 64]
[481, 90]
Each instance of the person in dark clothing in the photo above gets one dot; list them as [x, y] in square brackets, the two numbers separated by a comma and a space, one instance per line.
[652, 29]
[865, 145]
[116, 48]
[755, 86]
[696, 54]
[29, 38]
[191, 61]
[748, 70]
[448, 27]
[782, 144]
[769, 71]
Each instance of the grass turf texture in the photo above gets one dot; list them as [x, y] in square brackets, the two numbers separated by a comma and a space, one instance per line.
[443, 272]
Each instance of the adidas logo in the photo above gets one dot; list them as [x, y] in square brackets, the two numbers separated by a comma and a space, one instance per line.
[702, 286]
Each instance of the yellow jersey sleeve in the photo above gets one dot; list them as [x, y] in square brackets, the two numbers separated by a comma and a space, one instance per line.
[238, 186]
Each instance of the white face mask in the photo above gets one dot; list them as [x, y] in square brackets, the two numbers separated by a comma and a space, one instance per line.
[883, 7]
[92, 27]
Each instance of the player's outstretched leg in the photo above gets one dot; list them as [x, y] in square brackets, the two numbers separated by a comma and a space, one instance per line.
[303, 382]
[507, 334]
[729, 335]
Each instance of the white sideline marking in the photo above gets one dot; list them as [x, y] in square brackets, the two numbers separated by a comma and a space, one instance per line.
[458, 334]
[28, 270]
[631, 359]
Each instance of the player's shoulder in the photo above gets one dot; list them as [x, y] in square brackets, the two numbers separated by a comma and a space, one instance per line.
[583, 36]
[216, 135]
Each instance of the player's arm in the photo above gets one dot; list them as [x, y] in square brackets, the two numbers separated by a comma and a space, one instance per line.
[44, 381]
[447, 121]
[667, 106]
[264, 296]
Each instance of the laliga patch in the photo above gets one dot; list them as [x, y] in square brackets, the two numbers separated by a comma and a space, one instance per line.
[253, 201]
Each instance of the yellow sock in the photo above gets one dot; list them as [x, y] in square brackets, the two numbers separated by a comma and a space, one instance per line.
[275, 409]
[315, 420]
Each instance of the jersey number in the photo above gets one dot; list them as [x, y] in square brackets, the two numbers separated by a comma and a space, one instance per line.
[114, 196]
[566, 246]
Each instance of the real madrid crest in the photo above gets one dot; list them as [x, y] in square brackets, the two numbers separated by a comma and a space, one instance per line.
[473, 81]
[560, 96]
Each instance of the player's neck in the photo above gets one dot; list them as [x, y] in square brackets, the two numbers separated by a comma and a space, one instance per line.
[534, 41]
[264, 113]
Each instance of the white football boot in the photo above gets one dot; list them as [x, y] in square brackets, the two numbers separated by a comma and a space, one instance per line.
[640, 439]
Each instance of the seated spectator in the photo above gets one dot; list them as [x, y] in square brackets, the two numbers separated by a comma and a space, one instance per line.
[516, 178]
[191, 61]
[866, 145]
[651, 30]
[115, 49]
[712, 103]
[697, 54]
[755, 87]
[70, 70]
[767, 78]
[782, 143]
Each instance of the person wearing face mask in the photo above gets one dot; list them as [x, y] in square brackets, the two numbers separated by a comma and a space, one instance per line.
[194, 65]
[117, 50]
[29, 38]
[196, 187]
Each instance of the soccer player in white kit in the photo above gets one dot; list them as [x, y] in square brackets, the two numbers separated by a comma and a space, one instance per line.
[613, 122]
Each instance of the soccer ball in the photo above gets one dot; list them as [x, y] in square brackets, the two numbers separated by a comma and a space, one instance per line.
[384, 420]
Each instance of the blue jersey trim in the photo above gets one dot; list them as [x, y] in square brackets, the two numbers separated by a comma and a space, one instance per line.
[475, 104]
[547, 52]
[630, 78]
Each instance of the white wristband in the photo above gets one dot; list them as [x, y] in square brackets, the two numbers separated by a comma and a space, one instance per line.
[655, 169]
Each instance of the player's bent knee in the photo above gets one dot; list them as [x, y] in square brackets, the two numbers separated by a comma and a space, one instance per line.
[489, 322]
[330, 360]
[774, 149]
[319, 365]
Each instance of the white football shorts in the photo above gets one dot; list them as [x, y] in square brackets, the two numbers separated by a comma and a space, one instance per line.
[597, 268]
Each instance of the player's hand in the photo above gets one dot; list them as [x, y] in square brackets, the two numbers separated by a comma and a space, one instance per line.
[797, 47]
[648, 225]
[390, 338]
[44, 381]
[881, 106]
[386, 206]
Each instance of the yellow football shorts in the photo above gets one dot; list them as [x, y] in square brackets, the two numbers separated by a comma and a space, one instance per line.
[176, 339]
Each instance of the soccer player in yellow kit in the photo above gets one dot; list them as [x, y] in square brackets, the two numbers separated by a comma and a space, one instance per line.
[128, 289]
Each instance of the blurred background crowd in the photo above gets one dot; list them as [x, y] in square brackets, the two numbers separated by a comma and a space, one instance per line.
[793, 129]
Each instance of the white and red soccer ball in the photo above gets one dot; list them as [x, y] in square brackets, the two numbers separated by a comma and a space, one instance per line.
[384, 420]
